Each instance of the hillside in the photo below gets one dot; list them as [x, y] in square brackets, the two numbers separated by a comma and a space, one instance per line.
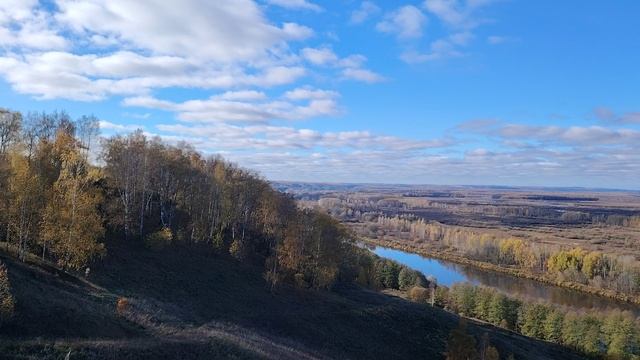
[183, 304]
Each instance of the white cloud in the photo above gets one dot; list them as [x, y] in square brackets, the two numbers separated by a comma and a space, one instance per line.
[246, 95]
[460, 16]
[91, 50]
[296, 4]
[224, 30]
[449, 47]
[457, 13]
[309, 93]
[406, 22]
[362, 75]
[22, 25]
[298, 104]
[571, 136]
[320, 56]
[608, 115]
[364, 12]
[224, 137]
[351, 65]
[52, 75]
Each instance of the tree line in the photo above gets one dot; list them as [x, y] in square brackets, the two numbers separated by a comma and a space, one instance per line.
[65, 192]
[355, 206]
[594, 268]
[613, 334]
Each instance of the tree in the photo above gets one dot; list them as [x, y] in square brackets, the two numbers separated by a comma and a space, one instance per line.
[387, 272]
[407, 278]
[552, 326]
[72, 223]
[10, 125]
[532, 318]
[24, 211]
[124, 159]
[620, 334]
[463, 298]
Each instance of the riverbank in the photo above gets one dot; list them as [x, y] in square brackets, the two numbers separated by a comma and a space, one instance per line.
[516, 272]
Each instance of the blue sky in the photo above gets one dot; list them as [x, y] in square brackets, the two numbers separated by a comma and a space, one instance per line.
[505, 92]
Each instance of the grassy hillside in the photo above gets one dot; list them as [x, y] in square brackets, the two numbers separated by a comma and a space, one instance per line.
[189, 305]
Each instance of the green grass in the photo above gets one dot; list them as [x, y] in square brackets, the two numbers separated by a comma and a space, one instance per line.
[184, 304]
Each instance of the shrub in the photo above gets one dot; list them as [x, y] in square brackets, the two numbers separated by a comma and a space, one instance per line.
[160, 239]
[419, 294]
[122, 305]
[7, 303]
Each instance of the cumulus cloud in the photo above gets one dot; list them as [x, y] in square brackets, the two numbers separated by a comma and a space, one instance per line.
[607, 115]
[405, 22]
[88, 50]
[23, 25]
[296, 4]
[449, 47]
[352, 66]
[224, 137]
[457, 13]
[571, 136]
[320, 56]
[366, 10]
[297, 104]
[460, 17]
[362, 75]
[225, 30]
[52, 75]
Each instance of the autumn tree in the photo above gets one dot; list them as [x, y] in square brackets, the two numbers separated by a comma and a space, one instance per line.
[24, 211]
[72, 223]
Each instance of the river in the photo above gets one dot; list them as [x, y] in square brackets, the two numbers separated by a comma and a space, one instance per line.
[448, 273]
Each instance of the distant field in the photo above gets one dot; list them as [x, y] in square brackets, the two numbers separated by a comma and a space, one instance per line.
[606, 221]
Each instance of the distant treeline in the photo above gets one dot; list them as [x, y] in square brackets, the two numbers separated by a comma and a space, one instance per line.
[56, 203]
[351, 207]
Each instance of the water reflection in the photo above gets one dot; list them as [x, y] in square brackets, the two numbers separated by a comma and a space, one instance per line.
[448, 273]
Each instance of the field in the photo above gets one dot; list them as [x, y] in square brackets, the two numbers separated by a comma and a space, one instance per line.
[592, 219]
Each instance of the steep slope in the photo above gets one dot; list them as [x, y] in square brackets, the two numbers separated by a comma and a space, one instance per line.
[182, 304]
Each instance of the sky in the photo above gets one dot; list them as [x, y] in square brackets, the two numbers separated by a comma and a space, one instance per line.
[482, 92]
